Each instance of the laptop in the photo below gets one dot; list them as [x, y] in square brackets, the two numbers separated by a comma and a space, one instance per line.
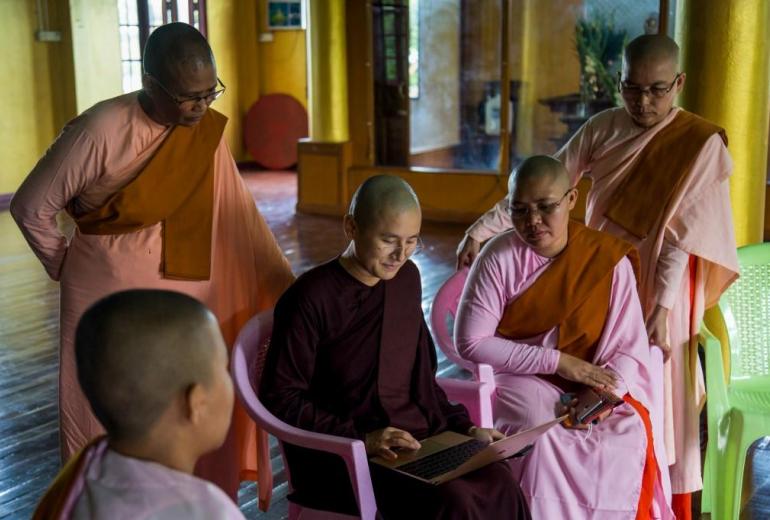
[449, 455]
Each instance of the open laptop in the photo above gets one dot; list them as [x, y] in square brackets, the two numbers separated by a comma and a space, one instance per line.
[449, 455]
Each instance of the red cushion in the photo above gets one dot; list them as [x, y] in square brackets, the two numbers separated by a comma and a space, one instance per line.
[272, 128]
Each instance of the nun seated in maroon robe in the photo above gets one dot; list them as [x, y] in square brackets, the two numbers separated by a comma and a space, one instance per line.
[351, 355]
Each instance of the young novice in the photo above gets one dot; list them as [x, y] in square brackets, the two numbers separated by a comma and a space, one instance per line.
[153, 366]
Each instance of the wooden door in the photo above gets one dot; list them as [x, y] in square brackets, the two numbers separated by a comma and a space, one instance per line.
[390, 20]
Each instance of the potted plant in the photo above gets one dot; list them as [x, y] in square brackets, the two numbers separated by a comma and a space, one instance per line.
[599, 46]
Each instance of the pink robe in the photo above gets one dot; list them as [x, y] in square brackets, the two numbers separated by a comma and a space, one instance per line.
[569, 473]
[124, 488]
[97, 154]
[697, 223]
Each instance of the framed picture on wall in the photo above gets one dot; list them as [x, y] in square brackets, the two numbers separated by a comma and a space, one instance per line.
[285, 14]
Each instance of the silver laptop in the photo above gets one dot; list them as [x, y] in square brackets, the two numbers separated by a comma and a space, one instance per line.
[449, 455]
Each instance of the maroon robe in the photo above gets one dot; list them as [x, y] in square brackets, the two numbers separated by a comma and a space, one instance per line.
[347, 359]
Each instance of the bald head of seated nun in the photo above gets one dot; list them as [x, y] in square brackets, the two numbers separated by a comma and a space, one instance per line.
[351, 356]
[553, 307]
[153, 366]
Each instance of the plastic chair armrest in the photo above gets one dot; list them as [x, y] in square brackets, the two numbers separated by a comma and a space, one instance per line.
[352, 451]
[715, 376]
[475, 396]
[462, 391]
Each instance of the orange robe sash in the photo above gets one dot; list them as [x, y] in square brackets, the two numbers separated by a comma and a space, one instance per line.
[59, 501]
[176, 188]
[659, 173]
[572, 294]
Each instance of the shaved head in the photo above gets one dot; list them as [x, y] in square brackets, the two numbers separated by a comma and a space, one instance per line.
[379, 195]
[174, 47]
[539, 167]
[539, 200]
[651, 48]
[137, 350]
[651, 79]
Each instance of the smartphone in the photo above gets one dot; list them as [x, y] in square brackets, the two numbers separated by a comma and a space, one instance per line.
[593, 402]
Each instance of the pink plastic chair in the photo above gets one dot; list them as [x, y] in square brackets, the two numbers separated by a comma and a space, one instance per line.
[246, 367]
[442, 318]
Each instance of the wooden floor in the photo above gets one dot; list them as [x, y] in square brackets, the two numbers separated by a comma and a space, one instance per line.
[28, 348]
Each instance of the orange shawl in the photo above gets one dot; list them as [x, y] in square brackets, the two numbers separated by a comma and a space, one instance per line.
[659, 172]
[176, 188]
[572, 294]
[60, 499]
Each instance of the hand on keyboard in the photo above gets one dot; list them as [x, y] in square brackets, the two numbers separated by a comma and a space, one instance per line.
[486, 435]
[381, 442]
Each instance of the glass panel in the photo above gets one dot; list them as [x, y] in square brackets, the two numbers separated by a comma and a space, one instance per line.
[125, 45]
[132, 6]
[126, 68]
[132, 75]
[136, 75]
[414, 49]
[388, 21]
[133, 40]
[155, 12]
[391, 71]
[390, 47]
[122, 12]
[455, 122]
[182, 11]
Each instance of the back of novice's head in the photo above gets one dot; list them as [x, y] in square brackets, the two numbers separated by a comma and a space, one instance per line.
[149, 357]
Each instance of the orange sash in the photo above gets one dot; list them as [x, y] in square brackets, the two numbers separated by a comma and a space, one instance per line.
[573, 294]
[659, 173]
[176, 188]
[60, 499]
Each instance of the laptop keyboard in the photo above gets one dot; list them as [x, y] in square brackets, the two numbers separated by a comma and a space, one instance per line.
[443, 461]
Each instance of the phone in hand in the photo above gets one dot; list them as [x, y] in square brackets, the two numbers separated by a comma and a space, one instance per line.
[592, 402]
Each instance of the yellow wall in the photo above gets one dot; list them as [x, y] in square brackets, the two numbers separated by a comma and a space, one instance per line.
[96, 51]
[35, 79]
[225, 35]
[249, 68]
[52, 81]
[282, 65]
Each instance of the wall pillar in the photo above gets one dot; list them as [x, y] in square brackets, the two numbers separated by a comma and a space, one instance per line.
[726, 55]
[328, 79]
[324, 158]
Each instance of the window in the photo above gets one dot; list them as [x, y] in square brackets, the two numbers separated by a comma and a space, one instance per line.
[138, 18]
[414, 49]
[484, 111]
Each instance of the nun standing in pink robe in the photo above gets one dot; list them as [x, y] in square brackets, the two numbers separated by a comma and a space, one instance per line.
[611, 470]
[90, 169]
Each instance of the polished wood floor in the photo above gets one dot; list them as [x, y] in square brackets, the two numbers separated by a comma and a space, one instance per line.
[28, 349]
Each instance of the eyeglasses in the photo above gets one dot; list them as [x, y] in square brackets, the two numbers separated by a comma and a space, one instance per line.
[409, 249]
[541, 208]
[190, 102]
[635, 91]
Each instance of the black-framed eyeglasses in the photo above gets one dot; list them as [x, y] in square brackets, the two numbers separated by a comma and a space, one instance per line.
[541, 208]
[635, 91]
[190, 102]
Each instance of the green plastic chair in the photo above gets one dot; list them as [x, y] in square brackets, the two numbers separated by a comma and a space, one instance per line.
[738, 404]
